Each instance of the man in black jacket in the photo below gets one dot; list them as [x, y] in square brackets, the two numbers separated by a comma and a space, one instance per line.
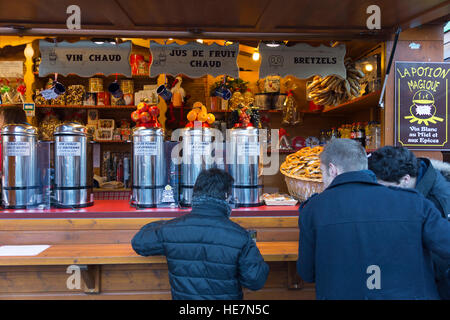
[398, 166]
[208, 255]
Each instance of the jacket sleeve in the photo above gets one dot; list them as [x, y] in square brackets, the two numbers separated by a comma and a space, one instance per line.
[436, 232]
[306, 245]
[147, 242]
[252, 268]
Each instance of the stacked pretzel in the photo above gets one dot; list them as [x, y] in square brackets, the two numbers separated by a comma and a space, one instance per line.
[334, 90]
[304, 164]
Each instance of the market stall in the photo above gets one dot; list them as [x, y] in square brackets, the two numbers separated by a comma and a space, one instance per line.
[122, 121]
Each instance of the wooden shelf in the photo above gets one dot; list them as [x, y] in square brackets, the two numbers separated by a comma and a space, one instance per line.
[86, 107]
[357, 104]
[225, 111]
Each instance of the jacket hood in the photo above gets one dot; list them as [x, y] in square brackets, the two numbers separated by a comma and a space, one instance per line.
[442, 167]
[210, 206]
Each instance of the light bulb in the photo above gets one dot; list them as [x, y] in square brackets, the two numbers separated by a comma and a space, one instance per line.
[255, 56]
[200, 40]
[368, 67]
[28, 52]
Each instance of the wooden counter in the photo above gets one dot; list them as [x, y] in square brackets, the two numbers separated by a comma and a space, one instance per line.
[103, 254]
[97, 239]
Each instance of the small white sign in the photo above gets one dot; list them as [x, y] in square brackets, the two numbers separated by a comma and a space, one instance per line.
[201, 148]
[68, 149]
[17, 148]
[248, 149]
[15, 251]
[11, 69]
[145, 148]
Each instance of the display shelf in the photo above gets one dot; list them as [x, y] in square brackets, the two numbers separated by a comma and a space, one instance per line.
[85, 107]
[226, 111]
[357, 104]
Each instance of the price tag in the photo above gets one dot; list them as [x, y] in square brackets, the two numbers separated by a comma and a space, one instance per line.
[146, 148]
[68, 149]
[14, 149]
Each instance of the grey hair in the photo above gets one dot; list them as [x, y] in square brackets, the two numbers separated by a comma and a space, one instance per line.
[347, 154]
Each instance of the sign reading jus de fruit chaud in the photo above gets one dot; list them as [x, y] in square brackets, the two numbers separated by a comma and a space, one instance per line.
[421, 105]
[84, 58]
[194, 59]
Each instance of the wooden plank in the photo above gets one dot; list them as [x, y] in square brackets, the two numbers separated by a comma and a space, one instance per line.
[115, 236]
[128, 223]
[98, 254]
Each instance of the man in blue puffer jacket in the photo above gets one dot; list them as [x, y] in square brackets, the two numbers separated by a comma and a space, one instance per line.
[208, 255]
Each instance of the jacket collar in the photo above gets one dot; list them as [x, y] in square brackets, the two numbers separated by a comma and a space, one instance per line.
[426, 177]
[362, 176]
[210, 206]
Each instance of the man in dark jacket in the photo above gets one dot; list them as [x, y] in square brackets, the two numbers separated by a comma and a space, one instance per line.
[398, 166]
[362, 240]
[208, 255]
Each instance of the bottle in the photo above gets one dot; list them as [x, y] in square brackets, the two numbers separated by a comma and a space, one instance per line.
[126, 172]
[322, 137]
[353, 133]
[333, 133]
[362, 134]
[368, 128]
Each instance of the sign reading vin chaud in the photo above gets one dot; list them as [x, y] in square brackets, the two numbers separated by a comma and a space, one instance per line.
[84, 58]
[194, 59]
[302, 60]
[421, 105]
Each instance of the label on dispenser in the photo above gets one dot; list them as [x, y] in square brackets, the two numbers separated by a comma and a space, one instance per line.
[68, 149]
[17, 148]
[248, 149]
[146, 148]
[201, 148]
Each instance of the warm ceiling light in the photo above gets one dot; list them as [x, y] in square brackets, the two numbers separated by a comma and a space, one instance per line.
[273, 44]
[256, 55]
[170, 39]
[368, 67]
[200, 40]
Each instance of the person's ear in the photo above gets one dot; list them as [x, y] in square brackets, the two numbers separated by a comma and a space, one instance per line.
[405, 181]
[333, 170]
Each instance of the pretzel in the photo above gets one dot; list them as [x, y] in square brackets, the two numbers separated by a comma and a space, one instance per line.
[305, 163]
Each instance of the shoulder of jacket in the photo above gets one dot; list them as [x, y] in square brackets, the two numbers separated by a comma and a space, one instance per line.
[407, 190]
[303, 204]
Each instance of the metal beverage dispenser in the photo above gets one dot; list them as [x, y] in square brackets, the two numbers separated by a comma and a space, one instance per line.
[73, 166]
[148, 167]
[197, 156]
[20, 181]
[244, 154]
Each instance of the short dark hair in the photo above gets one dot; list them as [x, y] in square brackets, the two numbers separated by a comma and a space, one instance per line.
[349, 155]
[392, 163]
[214, 183]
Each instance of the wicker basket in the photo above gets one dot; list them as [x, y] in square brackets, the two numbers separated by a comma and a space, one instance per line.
[302, 189]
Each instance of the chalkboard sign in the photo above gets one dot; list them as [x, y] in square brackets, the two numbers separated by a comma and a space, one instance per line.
[422, 105]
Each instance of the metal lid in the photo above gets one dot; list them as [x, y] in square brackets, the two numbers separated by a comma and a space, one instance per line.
[71, 128]
[143, 131]
[19, 129]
